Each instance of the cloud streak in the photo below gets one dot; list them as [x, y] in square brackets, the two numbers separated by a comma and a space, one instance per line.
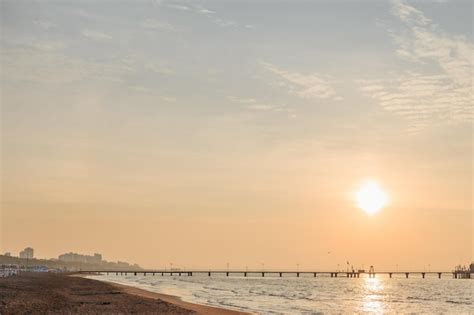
[255, 105]
[95, 35]
[307, 86]
[44, 62]
[156, 25]
[210, 14]
[439, 88]
[179, 7]
[45, 24]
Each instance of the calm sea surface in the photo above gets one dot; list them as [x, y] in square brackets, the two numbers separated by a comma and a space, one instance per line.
[308, 295]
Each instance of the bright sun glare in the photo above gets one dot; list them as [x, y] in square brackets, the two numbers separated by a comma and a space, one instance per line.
[371, 198]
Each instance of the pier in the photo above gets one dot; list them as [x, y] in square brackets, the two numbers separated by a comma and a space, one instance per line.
[280, 274]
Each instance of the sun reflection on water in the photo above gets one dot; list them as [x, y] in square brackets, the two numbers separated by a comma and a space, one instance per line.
[372, 301]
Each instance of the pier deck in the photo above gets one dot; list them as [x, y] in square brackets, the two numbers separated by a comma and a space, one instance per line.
[255, 273]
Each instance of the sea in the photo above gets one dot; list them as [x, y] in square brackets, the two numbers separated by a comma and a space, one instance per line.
[309, 295]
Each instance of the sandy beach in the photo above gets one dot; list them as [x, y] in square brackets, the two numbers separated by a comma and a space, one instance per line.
[43, 293]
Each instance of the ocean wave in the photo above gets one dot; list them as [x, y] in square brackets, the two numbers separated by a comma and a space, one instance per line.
[313, 296]
[458, 302]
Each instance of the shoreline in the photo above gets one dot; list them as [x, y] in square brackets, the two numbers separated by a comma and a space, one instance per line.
[57, 293]
[176, 300]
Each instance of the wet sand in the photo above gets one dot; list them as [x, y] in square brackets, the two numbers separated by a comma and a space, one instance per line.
[46, 293]
[199, 309]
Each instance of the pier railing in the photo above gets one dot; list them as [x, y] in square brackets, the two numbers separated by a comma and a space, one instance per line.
[256, 273]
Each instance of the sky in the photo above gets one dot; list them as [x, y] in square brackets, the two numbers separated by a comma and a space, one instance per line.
[207, 133]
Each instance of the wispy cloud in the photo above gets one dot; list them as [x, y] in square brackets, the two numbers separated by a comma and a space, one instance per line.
[439, 88]
[179, 7]
[210, 14]
[156, 25]
[241, 100]
[409, 14]
[95, 35]
[45, 24]
[45, 62]
[140, 63]
[140, 89]
[224, 23]
[85, 14]
[169, 98]
[48, 45]
[304, 85]
[48, 66]
[206, 11]
[160, 68]
[254, 104]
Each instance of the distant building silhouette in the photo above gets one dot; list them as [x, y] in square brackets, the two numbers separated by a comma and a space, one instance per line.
[8, 254]
[27, 253]
[74, 257]
[98, 257]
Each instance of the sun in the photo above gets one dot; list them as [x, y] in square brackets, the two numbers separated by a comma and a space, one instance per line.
[371, 198]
